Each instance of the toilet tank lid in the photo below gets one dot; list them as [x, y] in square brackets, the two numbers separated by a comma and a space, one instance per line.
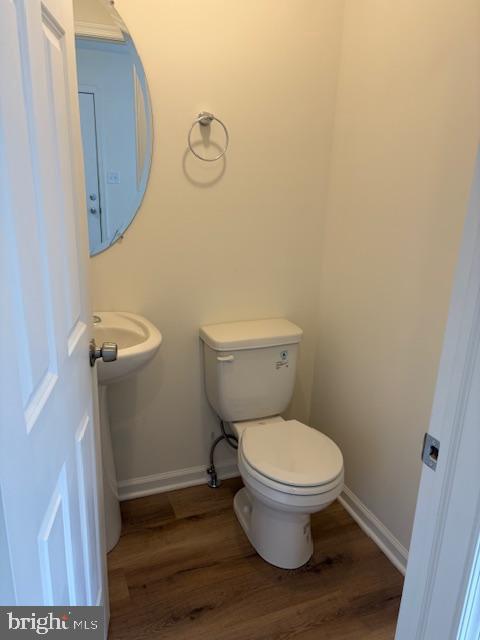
[250, 334]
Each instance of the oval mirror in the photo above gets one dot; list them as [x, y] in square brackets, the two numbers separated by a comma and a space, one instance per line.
[116, 121]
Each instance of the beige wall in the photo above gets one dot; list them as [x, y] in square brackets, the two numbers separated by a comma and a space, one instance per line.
[405, 139]
[216, 242]
[92, 11]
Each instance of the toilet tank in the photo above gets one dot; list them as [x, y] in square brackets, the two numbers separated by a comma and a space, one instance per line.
[250, 367]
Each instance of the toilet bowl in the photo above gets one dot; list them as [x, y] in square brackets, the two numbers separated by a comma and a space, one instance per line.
[289, 471]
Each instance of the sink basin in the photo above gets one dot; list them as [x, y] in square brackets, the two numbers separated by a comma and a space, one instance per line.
[138, 341]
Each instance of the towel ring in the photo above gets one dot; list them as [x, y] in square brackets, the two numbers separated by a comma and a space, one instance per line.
[205, 119]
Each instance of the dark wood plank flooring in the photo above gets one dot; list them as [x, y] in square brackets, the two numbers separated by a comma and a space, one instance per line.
[184, 569]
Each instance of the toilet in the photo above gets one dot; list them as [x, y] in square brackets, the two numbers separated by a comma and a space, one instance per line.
[289, 469]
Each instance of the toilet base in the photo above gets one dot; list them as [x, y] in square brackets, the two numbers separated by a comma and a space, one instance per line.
[282, 538]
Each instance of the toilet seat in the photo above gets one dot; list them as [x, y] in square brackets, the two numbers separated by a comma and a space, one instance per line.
[291, 457]
[286, 493]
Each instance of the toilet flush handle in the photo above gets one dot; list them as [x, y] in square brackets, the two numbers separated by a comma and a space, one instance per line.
[225, 358]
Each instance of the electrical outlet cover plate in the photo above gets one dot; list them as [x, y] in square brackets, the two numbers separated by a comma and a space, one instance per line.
[113, 177]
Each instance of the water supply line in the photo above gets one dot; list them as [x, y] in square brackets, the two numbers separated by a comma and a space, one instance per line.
[213, 480]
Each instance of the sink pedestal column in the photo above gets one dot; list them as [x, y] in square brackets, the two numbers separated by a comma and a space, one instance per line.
[138, 341]
[113, 520]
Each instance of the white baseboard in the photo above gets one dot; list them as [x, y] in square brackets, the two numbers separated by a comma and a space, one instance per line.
[376, 530]
[180, 478]
[161, 482]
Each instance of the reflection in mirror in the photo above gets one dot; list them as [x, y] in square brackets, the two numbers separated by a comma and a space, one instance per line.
[116, 121]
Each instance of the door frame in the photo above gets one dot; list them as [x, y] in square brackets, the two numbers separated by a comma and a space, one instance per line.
[437, 506]
[99, 130]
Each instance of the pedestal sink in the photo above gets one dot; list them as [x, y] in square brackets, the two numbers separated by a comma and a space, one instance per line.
[138, 341]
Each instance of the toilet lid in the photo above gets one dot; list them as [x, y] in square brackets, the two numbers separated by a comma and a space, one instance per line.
[292, 453]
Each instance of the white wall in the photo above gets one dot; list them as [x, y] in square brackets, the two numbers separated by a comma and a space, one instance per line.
[406, 131]
[217, 242]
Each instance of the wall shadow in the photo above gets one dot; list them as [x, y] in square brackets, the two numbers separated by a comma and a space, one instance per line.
[203, 174]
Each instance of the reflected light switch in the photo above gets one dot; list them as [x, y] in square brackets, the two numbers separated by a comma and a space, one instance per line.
[113, 177]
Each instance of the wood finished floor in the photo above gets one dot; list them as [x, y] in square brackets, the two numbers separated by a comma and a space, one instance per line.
[184, 569]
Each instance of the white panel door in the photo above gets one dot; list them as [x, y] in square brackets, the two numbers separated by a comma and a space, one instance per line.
[443, 574]
[48, 428]
[90, 160]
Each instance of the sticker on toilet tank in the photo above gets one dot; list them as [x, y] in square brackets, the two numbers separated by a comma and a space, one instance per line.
[283, 361]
